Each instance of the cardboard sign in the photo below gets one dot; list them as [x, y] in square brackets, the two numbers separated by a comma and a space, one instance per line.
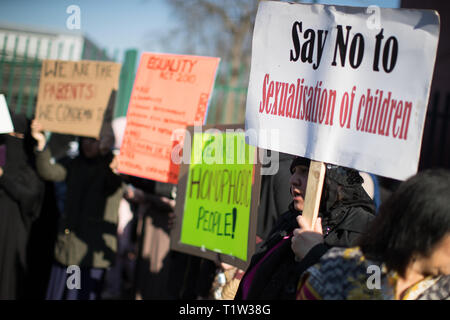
[6, 125]
[73, 96]
[217, 197]
[342, 85]
[169, 93]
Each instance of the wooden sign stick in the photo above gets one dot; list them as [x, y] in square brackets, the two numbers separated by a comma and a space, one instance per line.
[313, 191]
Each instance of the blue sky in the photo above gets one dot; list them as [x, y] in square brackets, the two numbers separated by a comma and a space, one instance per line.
[116, 24]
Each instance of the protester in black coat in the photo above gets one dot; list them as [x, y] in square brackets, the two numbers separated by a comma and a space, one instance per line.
[87, 228]
[21, 196]
[345, 213]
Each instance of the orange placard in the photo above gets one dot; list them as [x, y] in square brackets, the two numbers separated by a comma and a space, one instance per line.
[73, 95]
[170, 92]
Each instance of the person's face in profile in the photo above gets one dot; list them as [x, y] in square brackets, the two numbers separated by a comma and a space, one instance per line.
[90, 147]
[298, 186]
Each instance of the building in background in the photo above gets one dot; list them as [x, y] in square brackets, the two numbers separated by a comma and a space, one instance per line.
[22, 50]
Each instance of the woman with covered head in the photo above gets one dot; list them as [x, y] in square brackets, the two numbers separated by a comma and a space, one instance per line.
[344, 214]
[21, 197]
[86, 236]
[405, 255]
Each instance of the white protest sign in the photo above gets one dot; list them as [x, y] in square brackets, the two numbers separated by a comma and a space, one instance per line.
[337, 88]
[6, 125]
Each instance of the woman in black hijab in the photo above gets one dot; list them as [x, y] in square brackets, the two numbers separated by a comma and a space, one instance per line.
[344, 215]
[21, 196]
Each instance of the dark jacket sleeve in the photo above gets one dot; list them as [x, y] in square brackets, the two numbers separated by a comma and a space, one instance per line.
[161, 190]
[26, 189]
[312, 257]
[347, 233]
[47, 170]
[112, 182]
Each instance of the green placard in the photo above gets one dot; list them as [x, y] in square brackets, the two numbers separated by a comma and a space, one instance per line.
[219, 193]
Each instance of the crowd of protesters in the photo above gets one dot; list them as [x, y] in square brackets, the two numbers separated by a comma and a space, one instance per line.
[76, 215]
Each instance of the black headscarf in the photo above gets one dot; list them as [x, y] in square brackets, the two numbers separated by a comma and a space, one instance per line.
[343, 187]
[299, 161]
[19, 152]
[21, 196]
[20, 166]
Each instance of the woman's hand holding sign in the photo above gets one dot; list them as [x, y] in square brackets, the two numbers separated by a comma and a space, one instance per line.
[306, 237]
[38, 134]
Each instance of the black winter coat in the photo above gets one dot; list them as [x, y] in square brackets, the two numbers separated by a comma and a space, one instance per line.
[278, 275]
[21, 197]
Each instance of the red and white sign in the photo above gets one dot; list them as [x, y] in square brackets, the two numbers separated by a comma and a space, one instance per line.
[170, 92]
[342, 85]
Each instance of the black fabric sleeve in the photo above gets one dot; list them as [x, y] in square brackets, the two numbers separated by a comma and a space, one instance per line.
[26, 189]
[112, 181]
[312, 257]
[347, 233]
